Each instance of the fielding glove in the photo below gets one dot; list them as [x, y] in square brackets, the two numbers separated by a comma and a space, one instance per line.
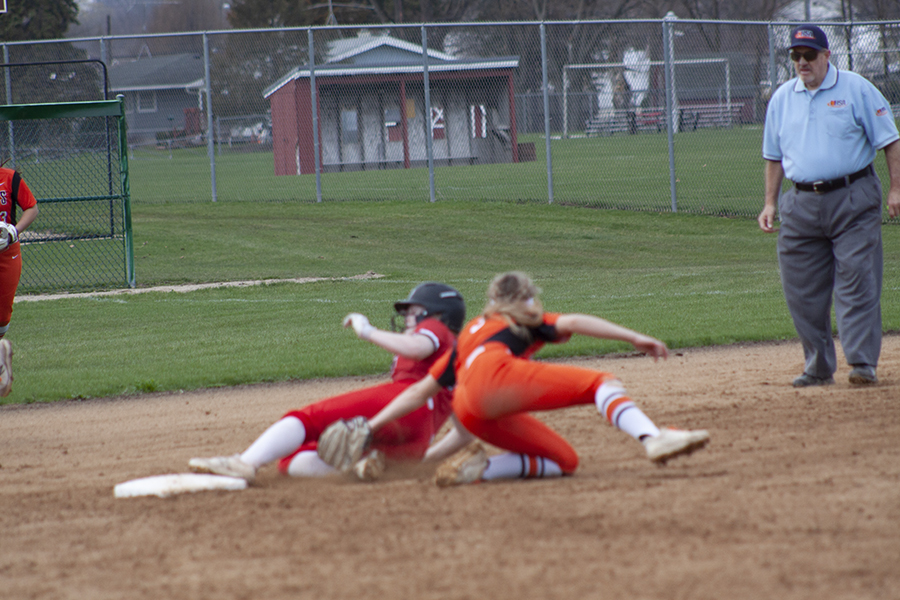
[344, 442]
[8, 235]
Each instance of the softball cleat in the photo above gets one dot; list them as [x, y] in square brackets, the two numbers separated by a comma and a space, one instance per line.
[370, 467]
[230, 466]
[674, 442]
[466, 467]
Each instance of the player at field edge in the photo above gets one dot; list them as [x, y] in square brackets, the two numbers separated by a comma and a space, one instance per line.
[432, 315]
[497, 385]
[14, 192]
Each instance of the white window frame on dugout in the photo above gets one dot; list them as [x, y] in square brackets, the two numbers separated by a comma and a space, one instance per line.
[438, 128]
[478, 121]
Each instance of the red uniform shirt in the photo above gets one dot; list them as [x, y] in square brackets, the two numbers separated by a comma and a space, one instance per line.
[408, 369]
[443, 340]
[406, 438]
[11, 257]
[23, 196]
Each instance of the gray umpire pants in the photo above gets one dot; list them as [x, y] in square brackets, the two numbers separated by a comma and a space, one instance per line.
[830, 245]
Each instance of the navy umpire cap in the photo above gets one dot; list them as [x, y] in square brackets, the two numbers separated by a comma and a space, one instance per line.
[809, 36]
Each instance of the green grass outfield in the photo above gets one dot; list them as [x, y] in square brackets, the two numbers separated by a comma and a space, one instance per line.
[689, 280]
[718, 171]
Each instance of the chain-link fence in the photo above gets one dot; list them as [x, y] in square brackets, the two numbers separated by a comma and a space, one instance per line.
[652, 115]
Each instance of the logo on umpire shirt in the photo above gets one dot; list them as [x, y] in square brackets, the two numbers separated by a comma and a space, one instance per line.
[882, 111]
[837, 103]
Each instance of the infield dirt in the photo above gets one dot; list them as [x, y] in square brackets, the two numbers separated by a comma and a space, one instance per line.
[796, 497]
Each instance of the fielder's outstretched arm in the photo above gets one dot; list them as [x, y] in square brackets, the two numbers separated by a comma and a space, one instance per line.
[413, 397]
[603, 329]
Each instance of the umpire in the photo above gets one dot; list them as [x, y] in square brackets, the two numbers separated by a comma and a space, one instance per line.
[823, 129]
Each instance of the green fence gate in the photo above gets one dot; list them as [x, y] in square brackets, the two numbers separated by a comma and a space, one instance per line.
[73, 156]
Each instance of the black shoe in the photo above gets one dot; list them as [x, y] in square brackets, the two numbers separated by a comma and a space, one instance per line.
[863, 375]
[808, 380]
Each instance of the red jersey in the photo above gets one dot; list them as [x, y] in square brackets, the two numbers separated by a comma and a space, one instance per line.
[412, 369]
[493, 332]
[408, 369]
[11, 195]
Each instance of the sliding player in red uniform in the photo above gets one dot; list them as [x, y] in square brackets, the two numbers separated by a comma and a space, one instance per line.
[497, 385]
[14, 193]
[433, 314]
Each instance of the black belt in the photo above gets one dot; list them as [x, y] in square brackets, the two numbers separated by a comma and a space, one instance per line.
[820, 187]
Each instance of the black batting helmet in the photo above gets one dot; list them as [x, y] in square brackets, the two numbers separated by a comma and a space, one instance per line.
[440, 301]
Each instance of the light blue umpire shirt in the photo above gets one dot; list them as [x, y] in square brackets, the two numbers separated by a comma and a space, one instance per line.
[829, 132]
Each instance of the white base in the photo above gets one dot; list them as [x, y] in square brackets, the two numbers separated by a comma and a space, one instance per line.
[180, 483]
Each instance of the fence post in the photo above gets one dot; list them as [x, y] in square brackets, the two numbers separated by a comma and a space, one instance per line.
[546, 91]
[210, 132]
[773, 74]
[728, 93]
[671, 104]
[429, 147]
[565, 87]
[313, 98]
[849, 34]
[126, 193]
[7, 76]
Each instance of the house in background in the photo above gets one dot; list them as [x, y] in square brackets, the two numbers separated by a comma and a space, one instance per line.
[372, 114]
[163, 95]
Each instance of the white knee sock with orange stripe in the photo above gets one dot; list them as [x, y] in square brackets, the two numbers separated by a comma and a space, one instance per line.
[520, 466]
[622, 413]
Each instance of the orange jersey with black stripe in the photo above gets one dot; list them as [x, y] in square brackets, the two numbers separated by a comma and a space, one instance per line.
[482, 334]
[11, 194]
[496, 383]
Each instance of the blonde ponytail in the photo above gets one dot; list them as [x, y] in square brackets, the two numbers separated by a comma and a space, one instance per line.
[513, 297]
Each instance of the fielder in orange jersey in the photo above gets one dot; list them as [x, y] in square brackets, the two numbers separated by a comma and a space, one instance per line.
[433, 314]
[497, 385]
[14, 193]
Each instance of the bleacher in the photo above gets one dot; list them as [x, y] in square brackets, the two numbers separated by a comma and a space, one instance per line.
[626, 120]
[653, 120]
[706, 116]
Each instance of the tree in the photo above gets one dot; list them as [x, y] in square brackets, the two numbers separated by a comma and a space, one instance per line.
[187, 15]
[244, 65]
[55, 82]
[254, 14]
[37, 20]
